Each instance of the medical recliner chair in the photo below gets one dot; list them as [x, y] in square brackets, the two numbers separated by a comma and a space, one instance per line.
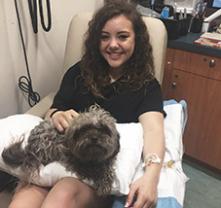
[73, 52]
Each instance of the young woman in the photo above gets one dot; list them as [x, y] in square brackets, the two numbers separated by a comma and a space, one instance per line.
[117, 73]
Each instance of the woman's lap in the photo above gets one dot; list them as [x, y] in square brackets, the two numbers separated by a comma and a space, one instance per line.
[31, 194]
[66, 192]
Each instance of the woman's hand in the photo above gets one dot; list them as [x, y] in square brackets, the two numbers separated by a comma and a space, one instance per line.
[143, 192]
[62, 119]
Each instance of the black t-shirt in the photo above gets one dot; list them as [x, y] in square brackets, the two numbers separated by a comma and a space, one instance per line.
[124, 105]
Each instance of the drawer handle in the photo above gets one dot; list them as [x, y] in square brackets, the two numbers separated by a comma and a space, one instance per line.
[173, 85]
[212, 63]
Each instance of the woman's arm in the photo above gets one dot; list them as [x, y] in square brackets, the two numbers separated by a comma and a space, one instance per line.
[60, 112]
[154, 140]
[144, 190]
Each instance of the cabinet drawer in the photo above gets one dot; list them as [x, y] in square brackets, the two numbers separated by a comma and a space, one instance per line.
[203, 65]
[181, 59]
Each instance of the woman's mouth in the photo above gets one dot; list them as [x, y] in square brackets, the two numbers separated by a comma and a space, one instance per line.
[114, 55]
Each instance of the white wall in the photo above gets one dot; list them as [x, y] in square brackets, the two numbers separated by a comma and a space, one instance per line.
[45, 50]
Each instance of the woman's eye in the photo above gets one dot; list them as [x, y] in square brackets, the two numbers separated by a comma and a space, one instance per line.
[123, 37]
[104, 37]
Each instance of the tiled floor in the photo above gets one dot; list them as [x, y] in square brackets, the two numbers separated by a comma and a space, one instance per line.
[202, 190]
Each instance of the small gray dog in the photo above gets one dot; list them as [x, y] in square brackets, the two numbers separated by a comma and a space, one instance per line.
[88, 147]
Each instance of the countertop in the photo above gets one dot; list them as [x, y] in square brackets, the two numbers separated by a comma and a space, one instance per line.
[186, 43]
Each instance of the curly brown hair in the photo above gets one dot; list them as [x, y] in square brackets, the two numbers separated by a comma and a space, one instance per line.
[138, 70]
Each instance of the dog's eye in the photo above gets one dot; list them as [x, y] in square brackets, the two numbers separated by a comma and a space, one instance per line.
[83, 131]
[88, 129]
[105, 129]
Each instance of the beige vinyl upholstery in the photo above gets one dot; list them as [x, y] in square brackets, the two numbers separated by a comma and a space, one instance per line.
[73, 51]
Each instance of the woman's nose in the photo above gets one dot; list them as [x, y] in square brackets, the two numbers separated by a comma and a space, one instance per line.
[113, 43]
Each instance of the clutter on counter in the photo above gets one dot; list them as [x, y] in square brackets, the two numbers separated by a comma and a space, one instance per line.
[179, 17]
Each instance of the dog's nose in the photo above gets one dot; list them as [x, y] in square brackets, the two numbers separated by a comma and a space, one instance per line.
[94, 139]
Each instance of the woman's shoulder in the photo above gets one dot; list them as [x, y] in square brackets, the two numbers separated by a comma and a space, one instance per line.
[73, 73]
[74, 69]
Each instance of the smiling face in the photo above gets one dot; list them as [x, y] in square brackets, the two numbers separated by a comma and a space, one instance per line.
[117, 43]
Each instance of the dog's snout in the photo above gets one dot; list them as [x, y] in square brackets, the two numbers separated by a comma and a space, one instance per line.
[94, 139]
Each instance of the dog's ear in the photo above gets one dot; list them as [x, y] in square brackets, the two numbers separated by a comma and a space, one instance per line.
[14, 155]
[117, 147]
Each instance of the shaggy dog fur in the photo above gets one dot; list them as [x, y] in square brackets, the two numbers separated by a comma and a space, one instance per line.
[88, 148]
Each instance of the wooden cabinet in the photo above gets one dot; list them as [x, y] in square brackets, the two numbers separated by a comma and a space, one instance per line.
[197, 79]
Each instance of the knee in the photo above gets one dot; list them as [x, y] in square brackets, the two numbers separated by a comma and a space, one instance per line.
[64, 194]
[68, 188]
[59, 198]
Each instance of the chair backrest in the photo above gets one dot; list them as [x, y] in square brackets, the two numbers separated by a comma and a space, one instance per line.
[79, 25]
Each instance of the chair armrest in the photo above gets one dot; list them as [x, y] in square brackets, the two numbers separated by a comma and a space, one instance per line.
[42, 107]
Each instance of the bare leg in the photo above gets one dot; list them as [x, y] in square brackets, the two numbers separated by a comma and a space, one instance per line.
[71, 193]
[28, 196]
